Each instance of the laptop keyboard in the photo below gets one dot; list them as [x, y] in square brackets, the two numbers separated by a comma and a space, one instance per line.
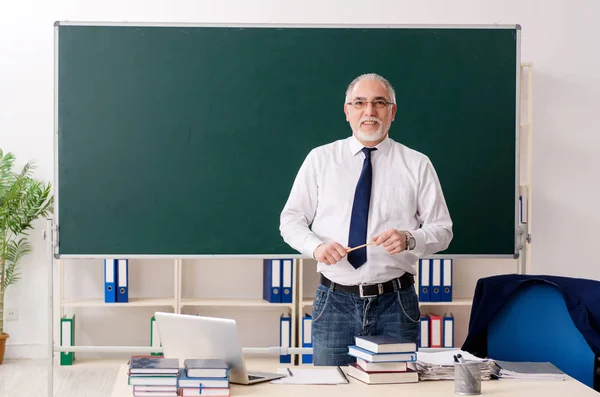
[254, 377]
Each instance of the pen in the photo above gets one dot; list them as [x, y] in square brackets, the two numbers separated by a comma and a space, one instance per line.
[290, 372]
[466, 373]
[343, 374]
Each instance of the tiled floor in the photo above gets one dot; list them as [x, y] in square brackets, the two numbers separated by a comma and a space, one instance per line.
[28, 378]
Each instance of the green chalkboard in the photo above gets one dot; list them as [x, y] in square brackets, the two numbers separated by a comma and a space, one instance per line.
[185, 140]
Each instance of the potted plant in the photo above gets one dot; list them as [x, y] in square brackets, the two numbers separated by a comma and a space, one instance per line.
[22, 200]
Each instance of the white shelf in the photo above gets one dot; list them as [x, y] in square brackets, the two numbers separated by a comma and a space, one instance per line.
[307, 302]
[99, 302]
[455, 302]
[233, 303]
[437, 349]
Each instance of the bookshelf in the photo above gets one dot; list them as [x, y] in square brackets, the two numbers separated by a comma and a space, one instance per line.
[187, 286]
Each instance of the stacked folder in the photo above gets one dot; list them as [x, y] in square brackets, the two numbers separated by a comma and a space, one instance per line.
[435, 280]
[436, 331]
[285, 336]
[382, 359]
[116, 280]
[204, 377]
[67, 338]
[307, 338]
[154, 376]
[526, 370]
[440, 365]
[278, 280]
[154, 337]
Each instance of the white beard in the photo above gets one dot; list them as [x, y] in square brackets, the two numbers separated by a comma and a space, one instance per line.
[370, 136]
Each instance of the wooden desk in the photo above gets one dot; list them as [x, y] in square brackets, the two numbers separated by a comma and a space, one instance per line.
[500, 388]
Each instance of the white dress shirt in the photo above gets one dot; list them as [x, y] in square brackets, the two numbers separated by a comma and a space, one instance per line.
[405, 193]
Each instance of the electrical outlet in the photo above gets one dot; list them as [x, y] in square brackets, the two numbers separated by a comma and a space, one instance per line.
[11, 314]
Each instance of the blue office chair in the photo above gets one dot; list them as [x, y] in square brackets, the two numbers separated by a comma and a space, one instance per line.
[535, 325]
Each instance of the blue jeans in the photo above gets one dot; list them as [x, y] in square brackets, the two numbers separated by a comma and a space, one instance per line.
[339, 316]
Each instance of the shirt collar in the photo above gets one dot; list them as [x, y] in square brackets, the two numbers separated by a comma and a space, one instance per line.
[383, 147]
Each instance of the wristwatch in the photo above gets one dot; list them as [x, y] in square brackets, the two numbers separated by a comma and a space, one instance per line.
[410, 240]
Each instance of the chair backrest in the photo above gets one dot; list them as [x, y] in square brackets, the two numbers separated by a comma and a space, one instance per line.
[535, 325]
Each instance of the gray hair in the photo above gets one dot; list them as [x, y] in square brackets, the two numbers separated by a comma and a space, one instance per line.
[372, 76]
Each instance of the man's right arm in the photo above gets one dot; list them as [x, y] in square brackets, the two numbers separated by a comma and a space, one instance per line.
[300, 210]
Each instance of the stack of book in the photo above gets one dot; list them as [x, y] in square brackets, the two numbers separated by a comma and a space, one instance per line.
[381, 359]
[153, 376]
[207, 377]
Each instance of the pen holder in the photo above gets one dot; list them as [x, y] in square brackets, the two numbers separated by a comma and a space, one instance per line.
[467, 378]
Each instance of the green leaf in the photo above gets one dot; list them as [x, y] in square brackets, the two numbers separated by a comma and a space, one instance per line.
[16, 250]
[22, 200]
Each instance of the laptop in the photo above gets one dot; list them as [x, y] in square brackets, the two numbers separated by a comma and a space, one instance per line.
[188, 336]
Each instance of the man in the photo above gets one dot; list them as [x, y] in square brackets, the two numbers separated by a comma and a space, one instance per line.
[366, 188]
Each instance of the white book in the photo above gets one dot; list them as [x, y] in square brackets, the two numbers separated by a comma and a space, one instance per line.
[375, 378]
[358, 352]
[384, 344]
[153, 380]
[368, 366]
[137, 388]
[155, 394]
[205, 392]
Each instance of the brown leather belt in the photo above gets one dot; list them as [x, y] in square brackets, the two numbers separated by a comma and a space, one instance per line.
[371, 290]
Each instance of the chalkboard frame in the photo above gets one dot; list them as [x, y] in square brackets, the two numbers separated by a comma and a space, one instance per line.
[58, 24]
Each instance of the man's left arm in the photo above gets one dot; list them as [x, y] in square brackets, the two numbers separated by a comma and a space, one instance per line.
[435, 233]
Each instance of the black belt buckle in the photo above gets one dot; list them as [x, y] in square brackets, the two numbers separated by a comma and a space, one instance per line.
[362, 292]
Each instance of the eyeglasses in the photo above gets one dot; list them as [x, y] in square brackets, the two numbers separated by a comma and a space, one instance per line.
[378, 104]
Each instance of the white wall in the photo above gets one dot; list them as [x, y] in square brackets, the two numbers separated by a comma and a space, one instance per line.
[559, 37]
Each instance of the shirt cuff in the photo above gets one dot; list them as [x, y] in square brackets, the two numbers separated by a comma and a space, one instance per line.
[420, 244]
[310, 245]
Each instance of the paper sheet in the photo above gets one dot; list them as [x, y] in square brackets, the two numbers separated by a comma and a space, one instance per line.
[445, 357]
[311, 376]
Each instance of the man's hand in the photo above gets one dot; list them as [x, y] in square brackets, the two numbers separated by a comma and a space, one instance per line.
[394, 241]
[330, 253]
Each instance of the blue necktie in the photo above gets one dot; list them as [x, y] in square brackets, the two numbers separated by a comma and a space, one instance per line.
[360, 212]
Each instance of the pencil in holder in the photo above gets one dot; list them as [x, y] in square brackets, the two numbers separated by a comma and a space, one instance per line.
[467, 378]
